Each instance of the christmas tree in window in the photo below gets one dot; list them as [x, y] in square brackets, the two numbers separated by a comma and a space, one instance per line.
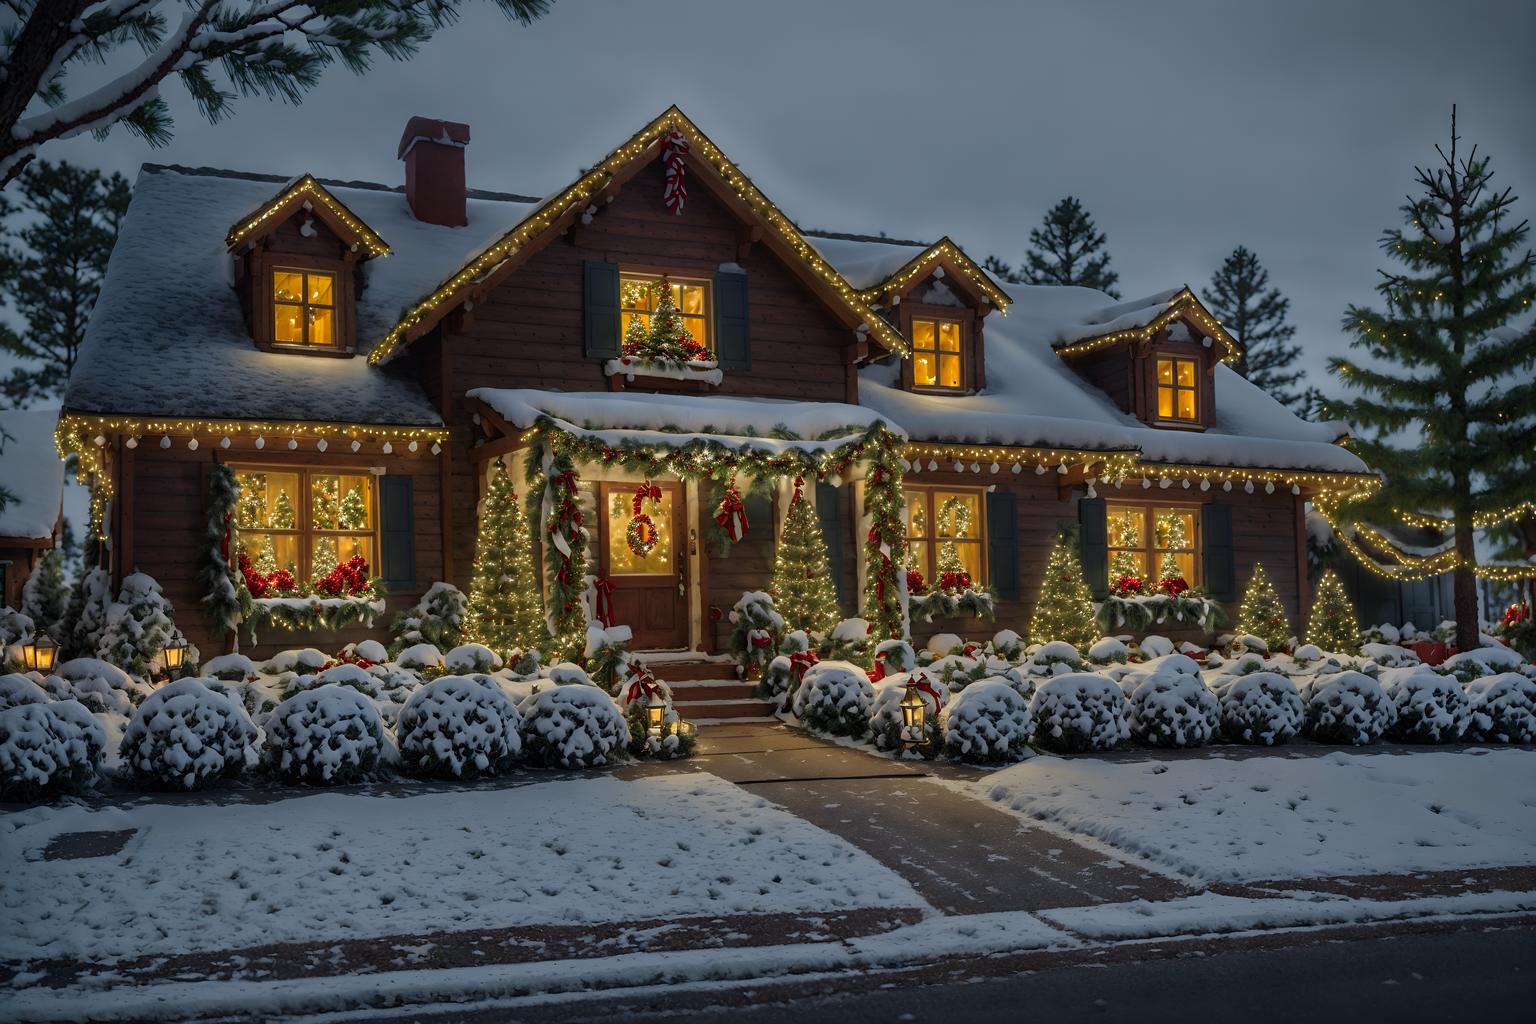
[1172, 536]
[505, 613]
[251, 509]
[950, 570]
[1065, 608]
[669, 337]
[1261, 613]
[283, 515]
[802, 587]
[325, 499]
[353, 514]
[1127, 574]
[1333, 626]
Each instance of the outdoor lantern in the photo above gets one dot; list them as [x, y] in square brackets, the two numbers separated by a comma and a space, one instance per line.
[175, 655]
[682, 728]
[40, 654]
[912, 711]
[655, 712]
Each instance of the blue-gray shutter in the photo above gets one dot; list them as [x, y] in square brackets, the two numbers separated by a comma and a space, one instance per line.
[1093, 540]
[602, 308]
[397, 534]
[1003, 545]
[827, 510]
[733, 344]
[1216, 533]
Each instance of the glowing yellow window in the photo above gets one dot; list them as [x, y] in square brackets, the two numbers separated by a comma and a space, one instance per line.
[303, 308]
[639, 293]
[936, 353]
[1176, 390]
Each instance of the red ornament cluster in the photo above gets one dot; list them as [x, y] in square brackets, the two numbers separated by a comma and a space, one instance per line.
[1128, 586]
[277, 583]
[1516, 614]
[1173, 586]
[347, 579]
[915, 582]
[952, 581]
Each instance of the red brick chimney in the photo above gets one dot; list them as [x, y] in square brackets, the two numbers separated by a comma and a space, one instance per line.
[433, 152]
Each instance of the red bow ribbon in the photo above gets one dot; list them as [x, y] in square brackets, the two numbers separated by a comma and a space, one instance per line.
[761, 641]
[921, 684]
[566, 479]
[800, 661]
[604, 591]
[645, 491]
[675, 192]
[732, 515]
[643, 686]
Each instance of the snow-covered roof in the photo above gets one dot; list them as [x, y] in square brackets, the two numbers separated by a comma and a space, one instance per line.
[167, 337]
[865, 262]
[30, 468]
[1034, 399]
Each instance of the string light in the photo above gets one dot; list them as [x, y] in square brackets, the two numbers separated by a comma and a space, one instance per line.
[1480, 520]
[307, 192]
[1115, 463]
[921, 265]
[1410, 568]
[1184, 305]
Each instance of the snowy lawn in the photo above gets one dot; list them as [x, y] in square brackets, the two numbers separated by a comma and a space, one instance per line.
[1291, 817]
[353, 866]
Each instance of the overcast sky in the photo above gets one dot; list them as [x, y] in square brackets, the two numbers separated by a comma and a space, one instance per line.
[1185, 128]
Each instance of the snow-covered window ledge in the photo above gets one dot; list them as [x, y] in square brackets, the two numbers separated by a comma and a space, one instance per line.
[629, 367]
[950, 604]
[313, 612]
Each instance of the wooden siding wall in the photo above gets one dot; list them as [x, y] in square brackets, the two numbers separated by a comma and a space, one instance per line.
[167, 503]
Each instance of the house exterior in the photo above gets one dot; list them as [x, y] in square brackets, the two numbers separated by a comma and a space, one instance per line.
[361, 356]
[30, 521]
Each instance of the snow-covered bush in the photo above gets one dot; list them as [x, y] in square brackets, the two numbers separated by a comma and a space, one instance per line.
[893, 656]
[437, 619]
[1170, 710]
[88, 612]
[324, 737]
[1261, 708]
[1350, 707]
[232, 668]
[1056, 652]
[17, 691]
[1155, 646]
[1484, 661]
[986, 723]
[421, 658]
[835, 698]
[358, 679]
[47, 749]
[1107, 650]
[1008, 645]
[1079, 711]
[99, 686]
[370, 651]
[139, 625]
[305, 660]
[573, 726]
[185, 736]
[941, 644]
[257, 698]
[1503, 709]
[467, 659]
[885, 721]
[756, 628]
[1389, 655]
[848, 641]
[1431, 708]
[955, 671]
[459, 727]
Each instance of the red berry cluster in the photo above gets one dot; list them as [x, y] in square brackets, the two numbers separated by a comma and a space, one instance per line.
[349, 577]
[276, 583]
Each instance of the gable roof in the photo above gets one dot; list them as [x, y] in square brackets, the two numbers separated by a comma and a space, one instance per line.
[31, 469]
[878, 266]
[540, 223]
[304, 192]
[1138, 320]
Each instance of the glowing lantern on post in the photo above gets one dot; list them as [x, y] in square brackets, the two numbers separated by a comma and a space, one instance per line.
[40, 654]
[655, 712]
[175, 655]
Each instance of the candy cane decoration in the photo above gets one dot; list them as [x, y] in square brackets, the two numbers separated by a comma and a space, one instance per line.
[675, 192]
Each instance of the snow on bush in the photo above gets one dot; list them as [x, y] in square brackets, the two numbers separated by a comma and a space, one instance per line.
[1308, 652]
[1251, 643]
[987, 723]
[420, 657]
[232, 668]
[98, 685]
[470, 658]
[565, 673]
[1503, 709]
[1262, 708]
[1079, 711]
[1008, 645]
[459, 727]
[437, 619]
[325, 736]
[370, 651]
[1107, 650]
[1056, 652]
[1349, 707]
[1171, 710]
[944, 643]
[1485, 661]
[885, 721]
[955, 671]
[17, 691]
[1154, 646]
[895, 656]
[306, 660]
[573, 726]
[835, 697]
[1388, 655]
[47, 749]
[185, 736]
[1431, 708]
[848, 641]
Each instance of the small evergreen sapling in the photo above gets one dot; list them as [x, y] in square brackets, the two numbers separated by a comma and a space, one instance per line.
[802, 587]
[45, 596]
[437, 619]
[1065, 609]
[139, 625]
[1333, 626]
[1261, 613]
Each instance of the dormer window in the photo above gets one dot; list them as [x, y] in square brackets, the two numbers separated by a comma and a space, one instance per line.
[937, 353]
[303, 308]
[1177, 390]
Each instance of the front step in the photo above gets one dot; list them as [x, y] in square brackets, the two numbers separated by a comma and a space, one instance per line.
[690, 671]
[709, 710]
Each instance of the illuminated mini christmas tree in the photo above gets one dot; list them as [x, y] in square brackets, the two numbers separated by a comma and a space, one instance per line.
[266, 559]
[251, 509]
[354, 510]
[325, 501]
[636, 336]
[1171, 534]
[1261, 613]
[1125, 532]
[669, 337]
[1333, 626]
[283, 516]
[802, 587]
[505, 613]
[1065, 608]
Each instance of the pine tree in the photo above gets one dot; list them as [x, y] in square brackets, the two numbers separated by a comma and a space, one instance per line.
[1256, 315]
[668, 338]
[1261, 614]
[1065, 608]
[505, 611]
[325, 502]
[1450, 379]
[353, 514]
[283, 515]
[88, 616]
[139, 625]
[45, 596]
[802, 587]
[1171, 534]
[1333, 626]
[1068, 249]
[50, 281]
[1001, 270]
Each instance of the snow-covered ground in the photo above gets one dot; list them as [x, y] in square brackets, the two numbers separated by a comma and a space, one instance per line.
[352, 866]
[1290, 817]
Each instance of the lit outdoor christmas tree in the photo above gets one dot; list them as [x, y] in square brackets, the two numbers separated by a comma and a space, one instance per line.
[802, 587]
[1333, 626]
[505, 613]
[1065, 608]
[1261, 613]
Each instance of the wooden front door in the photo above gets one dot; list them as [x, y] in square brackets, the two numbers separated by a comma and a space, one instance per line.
[650, 592]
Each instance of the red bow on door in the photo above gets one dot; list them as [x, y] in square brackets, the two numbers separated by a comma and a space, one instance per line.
[603, 587]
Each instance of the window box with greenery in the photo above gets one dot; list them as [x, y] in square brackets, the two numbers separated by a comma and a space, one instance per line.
[666, 329]
[1154, 570]
[946, 541]
[306, 542]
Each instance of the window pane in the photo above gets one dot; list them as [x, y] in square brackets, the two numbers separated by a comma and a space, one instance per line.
[1175, 528]
[917, 514]
[922, 334]
[1165, 403]
[1186, 404]
[320, 289]
[949, 371]
[321, 326]
[621, 557]
[288, 323]
[692, 300]
[270, 552]
[267, 500]
[1127, 563]
[917, 558]
[949, 336]
[1165, 371]
[1126, 523]
[348, 547]
[967, 556]
[287, 287]
[923, 369]
[635, 293]
[958, 514]
[1186, 373]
